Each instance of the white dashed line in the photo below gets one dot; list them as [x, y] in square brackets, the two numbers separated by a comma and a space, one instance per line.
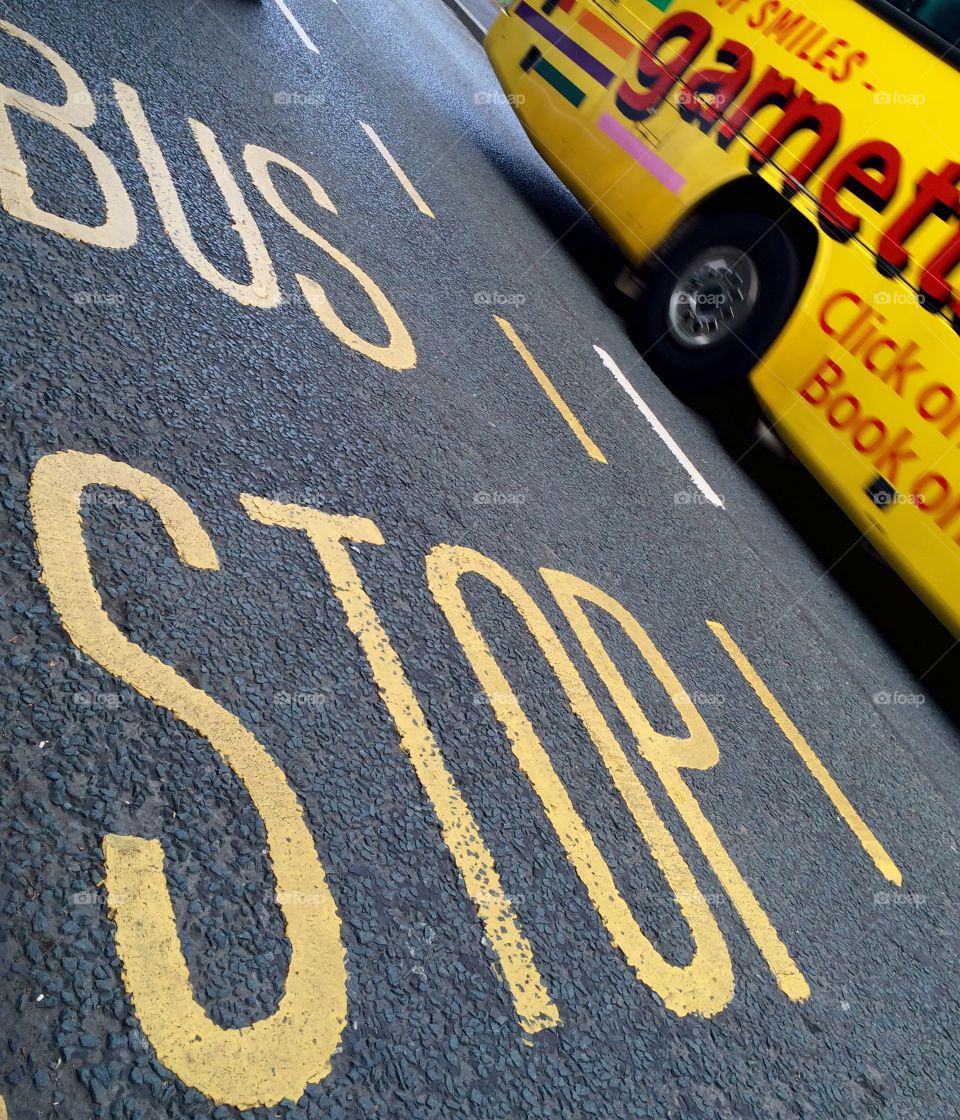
[675, 449]
[295, 24]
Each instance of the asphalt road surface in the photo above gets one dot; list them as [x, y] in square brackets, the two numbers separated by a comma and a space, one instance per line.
[395, 724]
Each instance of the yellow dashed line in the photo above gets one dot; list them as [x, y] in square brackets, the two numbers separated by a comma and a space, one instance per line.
[398, 171]
[551, 390]
[871, 845]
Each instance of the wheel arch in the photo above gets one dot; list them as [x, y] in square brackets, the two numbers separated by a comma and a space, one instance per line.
[752, 194]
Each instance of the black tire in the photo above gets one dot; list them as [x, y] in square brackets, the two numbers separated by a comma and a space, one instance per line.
[722, 363]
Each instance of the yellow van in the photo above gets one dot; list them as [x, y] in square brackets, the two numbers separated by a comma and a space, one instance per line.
[787, 179]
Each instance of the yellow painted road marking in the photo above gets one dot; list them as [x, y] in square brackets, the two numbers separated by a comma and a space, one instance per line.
[398, 171]
[551, 390]
[77, 112]
[534, 1008]
[262, 290]
[703, 986]
[871, 845]
[668, 755]
[399, 352]
[280, 1055]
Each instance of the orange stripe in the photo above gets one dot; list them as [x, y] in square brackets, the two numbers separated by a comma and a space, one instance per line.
[605, 33]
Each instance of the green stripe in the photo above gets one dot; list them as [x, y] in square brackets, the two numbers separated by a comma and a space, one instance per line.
[661, 4]
[560, 82]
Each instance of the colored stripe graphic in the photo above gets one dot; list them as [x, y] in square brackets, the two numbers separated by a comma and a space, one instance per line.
[560, 82]
[661, 4]
[648, 159]
[565, 5]
[572, 50]
[602, 31]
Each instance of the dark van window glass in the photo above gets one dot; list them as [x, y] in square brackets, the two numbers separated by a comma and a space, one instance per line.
[940, 16]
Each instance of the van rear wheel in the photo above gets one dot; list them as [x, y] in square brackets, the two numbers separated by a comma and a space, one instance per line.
[717, 300]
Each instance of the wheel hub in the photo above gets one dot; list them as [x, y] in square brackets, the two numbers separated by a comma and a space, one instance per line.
[713, 297]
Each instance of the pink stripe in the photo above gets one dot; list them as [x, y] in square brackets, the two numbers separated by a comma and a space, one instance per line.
[642, 153]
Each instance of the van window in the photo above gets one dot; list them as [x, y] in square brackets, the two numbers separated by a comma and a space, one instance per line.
[939, 16]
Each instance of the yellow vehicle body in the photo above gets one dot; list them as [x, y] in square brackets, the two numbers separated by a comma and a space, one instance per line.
[647, 108]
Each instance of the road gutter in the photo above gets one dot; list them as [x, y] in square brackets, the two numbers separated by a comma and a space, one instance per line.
[477, 16]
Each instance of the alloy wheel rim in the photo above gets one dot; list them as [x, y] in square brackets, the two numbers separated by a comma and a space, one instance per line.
[713, 297]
